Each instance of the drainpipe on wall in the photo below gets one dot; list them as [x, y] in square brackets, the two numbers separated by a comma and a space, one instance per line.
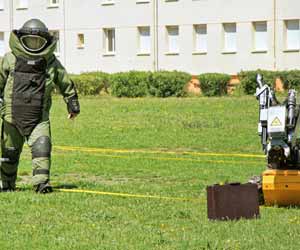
[11, 15]
[64, 32]
[274, 34]
[155, 35]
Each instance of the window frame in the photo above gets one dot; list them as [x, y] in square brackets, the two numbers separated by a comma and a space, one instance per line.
[139, 51]
[53, 5]
[167, 39]
[80, 43]
[225, 50]
[106, 51]
[285, 36]
[254, 33]
[2, 5]
[19, 7]
[195, 50]
[3, 33]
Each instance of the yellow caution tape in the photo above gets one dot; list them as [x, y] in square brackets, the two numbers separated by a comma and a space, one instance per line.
[109, 150]
[127, 195]
[181, 159]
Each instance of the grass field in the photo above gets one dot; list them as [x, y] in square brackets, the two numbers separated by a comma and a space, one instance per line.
[156, 147]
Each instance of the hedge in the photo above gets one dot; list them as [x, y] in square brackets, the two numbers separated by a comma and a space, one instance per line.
[290, 79]
[140, 83]
[91, 83]
[133, 83]
[172, 83]
[214, 84]
[130, 84]
[248, 79]
[168, 83]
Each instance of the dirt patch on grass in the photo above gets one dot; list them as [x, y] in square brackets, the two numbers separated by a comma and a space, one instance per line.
[71, 177]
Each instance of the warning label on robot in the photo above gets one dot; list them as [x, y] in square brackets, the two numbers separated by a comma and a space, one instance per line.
[276, 122]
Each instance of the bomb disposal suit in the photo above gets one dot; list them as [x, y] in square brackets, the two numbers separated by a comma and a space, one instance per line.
[28, 75]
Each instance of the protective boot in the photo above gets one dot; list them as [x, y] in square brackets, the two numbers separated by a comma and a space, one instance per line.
[11, 147]
[44, 188]
[8, 186]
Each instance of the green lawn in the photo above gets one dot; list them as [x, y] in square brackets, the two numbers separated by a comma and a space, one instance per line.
[147, 147]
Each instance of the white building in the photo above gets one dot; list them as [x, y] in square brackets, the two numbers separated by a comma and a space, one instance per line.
[196, 36]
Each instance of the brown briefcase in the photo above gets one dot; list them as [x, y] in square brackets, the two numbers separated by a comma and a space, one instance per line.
[232, 201]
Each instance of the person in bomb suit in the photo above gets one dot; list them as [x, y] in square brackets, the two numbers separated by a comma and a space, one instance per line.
[28, 75]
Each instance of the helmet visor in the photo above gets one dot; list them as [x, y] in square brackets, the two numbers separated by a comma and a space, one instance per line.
[33, 43]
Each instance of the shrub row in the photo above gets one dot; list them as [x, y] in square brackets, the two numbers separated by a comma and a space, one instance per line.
[165, 83]
[91, 83]
[214, 84]
[172, 83]
[145, 83]
[129, 84]
[290, 79]
[133, 83]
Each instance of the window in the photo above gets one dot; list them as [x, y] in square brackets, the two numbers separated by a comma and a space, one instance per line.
[55, 33]
[80, 41]
[53, 3]
[2, 47]
[260, 36]
[229, 37]
[22, 4]
[200, 38]
[108, 2]
[1, 4]
[144, 40]
[109, 41]
[173, 39]
[292, 35]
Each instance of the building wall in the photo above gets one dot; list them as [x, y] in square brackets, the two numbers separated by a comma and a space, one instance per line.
[90, 17]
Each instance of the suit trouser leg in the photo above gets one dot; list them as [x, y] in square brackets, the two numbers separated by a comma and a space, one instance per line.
[11, 145]
[39, 142]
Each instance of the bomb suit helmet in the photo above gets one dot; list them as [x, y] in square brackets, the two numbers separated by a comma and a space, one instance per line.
[34, 36]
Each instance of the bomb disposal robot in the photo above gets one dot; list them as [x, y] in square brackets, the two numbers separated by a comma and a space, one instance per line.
[279, 129]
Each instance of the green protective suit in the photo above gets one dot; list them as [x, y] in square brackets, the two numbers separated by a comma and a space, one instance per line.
[19, 102]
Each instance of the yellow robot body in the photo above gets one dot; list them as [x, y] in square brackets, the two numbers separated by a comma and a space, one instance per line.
[281, 187]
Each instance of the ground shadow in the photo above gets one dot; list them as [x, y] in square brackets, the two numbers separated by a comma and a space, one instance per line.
[24, 188]
[65, 186]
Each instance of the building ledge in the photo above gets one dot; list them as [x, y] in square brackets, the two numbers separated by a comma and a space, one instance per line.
[172, 53]
[108, 54]
[107, 3]
[142, 1]
[22, 8]
[53, 6]
[199, 53]
[259, 51]
[229, 52]
[143, 54]
[291, 50]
